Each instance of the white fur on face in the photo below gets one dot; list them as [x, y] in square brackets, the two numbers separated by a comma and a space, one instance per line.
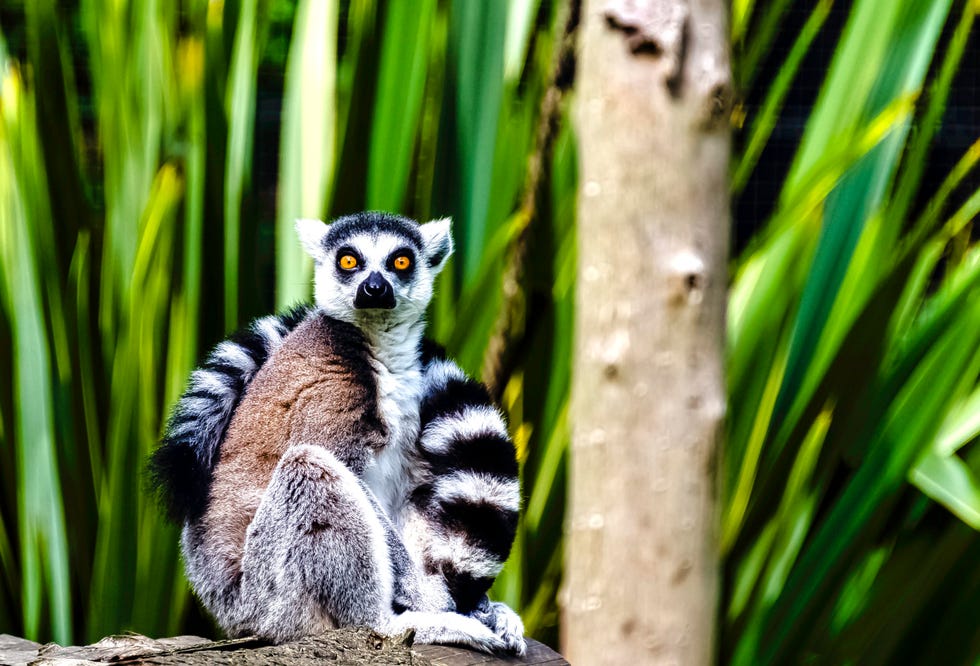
[336, 296]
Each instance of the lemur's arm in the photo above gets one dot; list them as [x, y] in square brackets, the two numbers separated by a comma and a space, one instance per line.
[471, 497]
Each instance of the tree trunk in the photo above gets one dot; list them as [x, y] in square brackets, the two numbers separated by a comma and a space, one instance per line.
[652, 109]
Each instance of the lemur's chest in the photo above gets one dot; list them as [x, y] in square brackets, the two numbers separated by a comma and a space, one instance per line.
[391, 472]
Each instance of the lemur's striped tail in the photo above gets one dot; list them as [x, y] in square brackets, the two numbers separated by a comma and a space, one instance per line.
[473, 498]
[182, 467]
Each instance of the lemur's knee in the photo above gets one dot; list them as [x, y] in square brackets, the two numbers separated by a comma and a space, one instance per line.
[296, 504]
[306, 468]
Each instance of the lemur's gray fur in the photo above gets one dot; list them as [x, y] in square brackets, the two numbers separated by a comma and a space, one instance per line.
[331, 468]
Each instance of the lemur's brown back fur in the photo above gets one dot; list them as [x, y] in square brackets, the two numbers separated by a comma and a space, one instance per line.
[320, 390]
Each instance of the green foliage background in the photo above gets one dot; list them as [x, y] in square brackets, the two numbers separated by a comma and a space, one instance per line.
[137, 228]
[850, 485]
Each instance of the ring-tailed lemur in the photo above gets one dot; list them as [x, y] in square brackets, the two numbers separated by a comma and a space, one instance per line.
[331, 467]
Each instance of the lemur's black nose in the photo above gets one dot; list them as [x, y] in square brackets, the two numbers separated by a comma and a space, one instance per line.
[375, 292]
[375, 285]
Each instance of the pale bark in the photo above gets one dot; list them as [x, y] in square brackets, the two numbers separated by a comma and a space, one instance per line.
[653, 92]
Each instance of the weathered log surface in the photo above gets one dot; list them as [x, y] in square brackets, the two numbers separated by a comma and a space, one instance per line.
[343, 646]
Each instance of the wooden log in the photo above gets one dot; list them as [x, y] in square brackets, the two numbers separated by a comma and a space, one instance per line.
[342, 646]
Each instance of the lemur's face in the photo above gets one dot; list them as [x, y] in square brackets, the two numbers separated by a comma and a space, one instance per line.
[375, 267]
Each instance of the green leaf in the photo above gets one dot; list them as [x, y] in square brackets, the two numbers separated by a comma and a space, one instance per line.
[765, 119]
[915, 162]
[760, 41]
[477, 48]
[948, 480]
[859, 195]
[240, 112]
[962, 425]
[306, 160]
[42, 537]
[401, 82]
[520, 27]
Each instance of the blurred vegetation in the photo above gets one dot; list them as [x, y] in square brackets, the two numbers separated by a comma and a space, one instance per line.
[153, 156]
[851, 500]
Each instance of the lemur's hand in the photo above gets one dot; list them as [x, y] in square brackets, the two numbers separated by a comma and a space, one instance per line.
[504, 622]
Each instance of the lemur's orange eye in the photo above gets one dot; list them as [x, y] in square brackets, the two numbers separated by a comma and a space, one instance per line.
[402, 262]
[348, 262]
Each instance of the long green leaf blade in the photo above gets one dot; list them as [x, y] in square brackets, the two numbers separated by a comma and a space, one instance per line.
[306, 163]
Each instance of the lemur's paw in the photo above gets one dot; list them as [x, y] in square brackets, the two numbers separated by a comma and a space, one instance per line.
[486, 642]
[514, 641]
[504, 623]
[447, 627]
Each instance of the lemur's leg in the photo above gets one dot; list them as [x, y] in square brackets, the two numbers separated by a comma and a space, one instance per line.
[317, 555]
[463, 517]
[314, 554]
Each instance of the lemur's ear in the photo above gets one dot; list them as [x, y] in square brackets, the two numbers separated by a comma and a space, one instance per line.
[437, 236]
[311, 234]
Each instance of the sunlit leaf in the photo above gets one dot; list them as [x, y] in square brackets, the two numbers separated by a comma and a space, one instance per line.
[950, 482]
[306, 163]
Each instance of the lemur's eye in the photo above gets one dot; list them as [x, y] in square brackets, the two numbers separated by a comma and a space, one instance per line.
[402, 262]
[347, 261]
